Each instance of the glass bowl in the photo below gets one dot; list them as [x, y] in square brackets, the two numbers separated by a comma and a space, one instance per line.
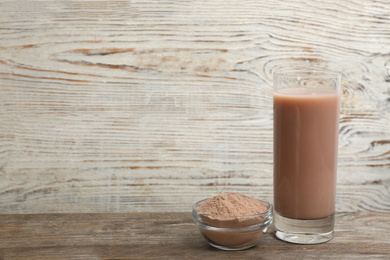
[232, 232]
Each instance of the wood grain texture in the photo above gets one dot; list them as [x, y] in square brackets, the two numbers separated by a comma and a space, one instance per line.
[362, 235]
[126, 106]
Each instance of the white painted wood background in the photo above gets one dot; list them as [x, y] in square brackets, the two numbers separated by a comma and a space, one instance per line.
[151, 105]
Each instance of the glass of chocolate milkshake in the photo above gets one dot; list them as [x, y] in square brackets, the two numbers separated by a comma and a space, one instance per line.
[306, 116]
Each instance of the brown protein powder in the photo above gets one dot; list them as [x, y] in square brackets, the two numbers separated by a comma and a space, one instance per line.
[232, 204]
[232, 210]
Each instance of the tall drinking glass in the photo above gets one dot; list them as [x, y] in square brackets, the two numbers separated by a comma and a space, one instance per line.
[306, 116]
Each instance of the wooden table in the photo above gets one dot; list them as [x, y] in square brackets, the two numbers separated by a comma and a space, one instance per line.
[361, 235]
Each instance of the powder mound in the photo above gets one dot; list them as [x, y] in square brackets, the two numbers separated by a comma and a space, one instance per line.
[232, 204]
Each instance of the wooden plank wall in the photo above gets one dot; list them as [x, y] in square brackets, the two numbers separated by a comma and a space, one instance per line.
[132, 106]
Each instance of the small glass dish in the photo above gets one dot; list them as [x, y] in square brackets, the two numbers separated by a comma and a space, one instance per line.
[232, 232]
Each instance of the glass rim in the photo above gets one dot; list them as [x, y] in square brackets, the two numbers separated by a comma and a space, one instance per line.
[304, 72]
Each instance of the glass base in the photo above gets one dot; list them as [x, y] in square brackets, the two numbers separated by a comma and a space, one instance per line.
[299, 231]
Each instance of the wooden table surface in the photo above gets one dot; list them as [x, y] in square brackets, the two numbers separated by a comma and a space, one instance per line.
[361, 235]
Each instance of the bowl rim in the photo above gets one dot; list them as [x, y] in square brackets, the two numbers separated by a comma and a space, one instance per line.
[198, 212]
